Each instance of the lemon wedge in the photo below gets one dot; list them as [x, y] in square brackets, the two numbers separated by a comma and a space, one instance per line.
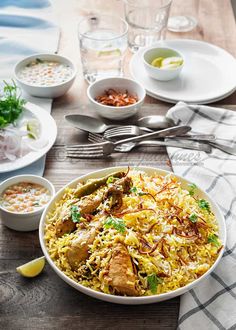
[115, 52]
[178, 61]
[33, 129]
[32, 268]
[157, 62]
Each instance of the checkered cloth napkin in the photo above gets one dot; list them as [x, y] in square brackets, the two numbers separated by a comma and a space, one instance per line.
[212, 304]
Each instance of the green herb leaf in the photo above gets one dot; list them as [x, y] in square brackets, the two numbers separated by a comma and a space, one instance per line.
[133, 189]
[38, 60]
[116, 223]
[192, 189]
[11, 105]
[75, 214]
[110, 179]
[153, 280]
[137, 191]
[193, 218]
[204, 205]
[212, 238]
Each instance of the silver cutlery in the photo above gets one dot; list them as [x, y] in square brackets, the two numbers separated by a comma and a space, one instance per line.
[155, 121]
[94, 125]
[106, 148]
[129, 130]
[126, 147]
[125, 131]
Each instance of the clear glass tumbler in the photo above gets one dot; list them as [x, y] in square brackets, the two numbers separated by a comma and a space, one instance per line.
[103, 43]
[147, 21]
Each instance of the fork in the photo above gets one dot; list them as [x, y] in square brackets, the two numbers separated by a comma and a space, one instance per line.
[129, 130]
[126, 147]
[132, 130]
[107, 147]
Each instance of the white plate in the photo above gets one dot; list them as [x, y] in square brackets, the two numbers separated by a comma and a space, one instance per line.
[209, 73]
[48, 130]
[121, 299]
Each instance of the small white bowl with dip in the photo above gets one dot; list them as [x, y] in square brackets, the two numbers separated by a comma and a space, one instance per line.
[163, 63]
[23, 199]
[45, 75]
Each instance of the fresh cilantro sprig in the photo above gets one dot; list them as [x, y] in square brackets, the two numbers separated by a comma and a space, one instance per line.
[75, 214]
[11, 105]
[153, 281]
[116, 223]
[193, 218]
[212, 238]
[204, 205]
[137, 191]
[192, 189]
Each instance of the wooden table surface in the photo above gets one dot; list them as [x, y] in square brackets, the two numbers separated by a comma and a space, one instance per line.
[46, 302]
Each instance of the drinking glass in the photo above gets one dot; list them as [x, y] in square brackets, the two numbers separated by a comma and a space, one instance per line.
[183, 19]
[103, 43]
[147, 21]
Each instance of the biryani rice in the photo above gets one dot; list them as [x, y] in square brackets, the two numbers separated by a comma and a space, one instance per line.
[152, 218]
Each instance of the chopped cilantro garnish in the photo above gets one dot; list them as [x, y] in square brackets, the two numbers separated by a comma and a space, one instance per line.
[137, 191]
[192, 189]
[204, 205]
[133, 189]
[116, 223]
[11, 105]
[38, 60]
[212, 238]
[153, 280]
[110, 179]
[193, 218]
[75, 213]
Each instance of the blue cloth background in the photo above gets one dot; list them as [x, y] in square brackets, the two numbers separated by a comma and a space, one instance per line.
[26, 27]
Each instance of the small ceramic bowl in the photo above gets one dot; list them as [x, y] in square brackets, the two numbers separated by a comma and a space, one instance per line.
[120, 85]
[29, 220]
[45, 91]
[161, 74]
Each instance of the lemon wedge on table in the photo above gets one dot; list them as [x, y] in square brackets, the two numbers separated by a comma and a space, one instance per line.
[32, 268]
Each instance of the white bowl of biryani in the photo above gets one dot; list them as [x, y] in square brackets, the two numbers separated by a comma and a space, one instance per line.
[45, 75]
[141, 236]
[22, 201]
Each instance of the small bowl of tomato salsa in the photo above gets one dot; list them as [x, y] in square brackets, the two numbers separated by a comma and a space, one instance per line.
[22, 201]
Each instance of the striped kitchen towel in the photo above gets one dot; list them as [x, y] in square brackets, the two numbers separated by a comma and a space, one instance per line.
[212, 304]
[26, 27]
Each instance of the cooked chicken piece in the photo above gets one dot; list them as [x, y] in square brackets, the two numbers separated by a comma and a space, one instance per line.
[79, 251]
[89, 204]
[86, 206]
[116, 191]
[64, 226]
[115, 196]
[121, 274]
[125, 183]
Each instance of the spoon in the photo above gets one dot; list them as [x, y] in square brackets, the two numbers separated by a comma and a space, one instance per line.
[94, 125]
[156, 122]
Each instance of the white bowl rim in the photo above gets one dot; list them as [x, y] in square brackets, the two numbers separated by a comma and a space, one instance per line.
[158, 69]
[124, 299]
[111, 106]
[26, 177]
[45, 54]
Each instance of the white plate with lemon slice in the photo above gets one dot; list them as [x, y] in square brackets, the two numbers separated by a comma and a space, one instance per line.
[42, 133]
[208, 75]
